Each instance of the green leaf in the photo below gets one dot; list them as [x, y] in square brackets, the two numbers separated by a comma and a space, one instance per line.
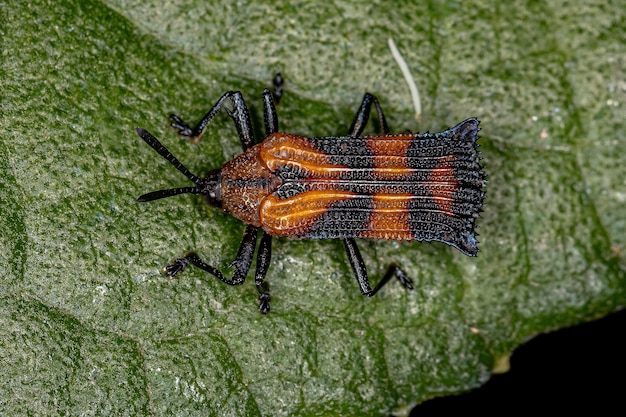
[88, 325]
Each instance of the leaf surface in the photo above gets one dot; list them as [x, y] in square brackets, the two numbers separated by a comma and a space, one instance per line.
[90, 326]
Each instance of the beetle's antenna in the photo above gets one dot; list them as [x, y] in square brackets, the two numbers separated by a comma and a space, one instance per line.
[162, 150]
[156, 195]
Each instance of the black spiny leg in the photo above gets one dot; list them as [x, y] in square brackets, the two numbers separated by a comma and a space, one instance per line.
[363, 114]
[244, 255]
[352, 250]
[241, 263]
[239, 114]
[263, 259]
[360, 272]
[270, 117]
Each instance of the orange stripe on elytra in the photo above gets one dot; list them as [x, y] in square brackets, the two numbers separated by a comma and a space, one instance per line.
[291, 217]
[443, 184]
[390, 160]
[389, 218]
[281, 149]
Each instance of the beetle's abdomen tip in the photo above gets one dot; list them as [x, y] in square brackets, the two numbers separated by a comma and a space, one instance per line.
[467, 129]
[471, 246]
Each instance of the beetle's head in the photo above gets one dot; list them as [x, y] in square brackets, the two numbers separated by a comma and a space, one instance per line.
[209, 186]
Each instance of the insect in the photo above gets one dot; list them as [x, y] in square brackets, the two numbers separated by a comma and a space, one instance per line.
[402, 187]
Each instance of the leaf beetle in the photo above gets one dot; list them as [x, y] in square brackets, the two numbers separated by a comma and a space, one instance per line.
[407, 186]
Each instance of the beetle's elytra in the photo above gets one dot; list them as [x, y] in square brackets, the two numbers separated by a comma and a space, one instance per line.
[401, 187]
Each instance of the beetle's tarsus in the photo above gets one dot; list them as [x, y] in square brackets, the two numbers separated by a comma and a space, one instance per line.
[264, 297]
[177, 266]
[278, 87]
[183, 128]
[403, 278]
[264, 303]
[395, 270]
